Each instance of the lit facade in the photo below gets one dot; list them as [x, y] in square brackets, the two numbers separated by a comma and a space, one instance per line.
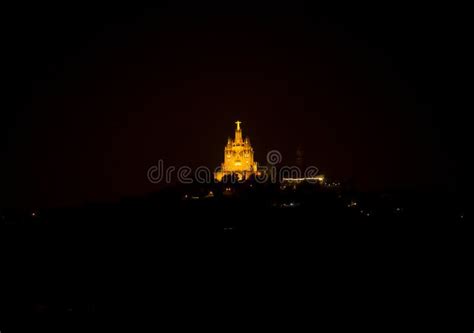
[238, 157]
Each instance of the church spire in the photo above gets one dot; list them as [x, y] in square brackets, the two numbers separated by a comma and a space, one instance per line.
[238, 132]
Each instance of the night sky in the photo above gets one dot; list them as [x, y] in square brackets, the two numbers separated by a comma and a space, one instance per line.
[96, 95]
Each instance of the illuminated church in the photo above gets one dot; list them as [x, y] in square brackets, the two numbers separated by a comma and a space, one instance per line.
[238, 157]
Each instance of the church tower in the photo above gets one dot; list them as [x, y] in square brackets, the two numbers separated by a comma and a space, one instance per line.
[238, 157]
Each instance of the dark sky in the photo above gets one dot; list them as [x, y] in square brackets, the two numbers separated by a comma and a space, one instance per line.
[96, 95]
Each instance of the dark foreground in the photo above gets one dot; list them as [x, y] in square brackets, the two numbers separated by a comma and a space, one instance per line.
[328, 257]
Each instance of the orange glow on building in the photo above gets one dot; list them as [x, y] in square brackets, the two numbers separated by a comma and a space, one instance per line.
[238, 157]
